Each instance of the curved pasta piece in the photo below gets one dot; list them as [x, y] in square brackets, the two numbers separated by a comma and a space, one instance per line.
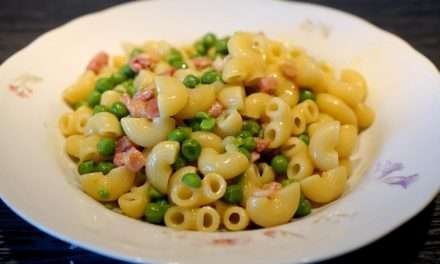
[81, 89]
[280, 127]
[143, 80]
[350, 94]
[235, 218]
[232, 97]
[299, 122]
[181, 194]
[276, 210]
[108, 187]
[347, 140]
[309, 109]
[365, 115]
[322, 145]
[213, 188]
[293, 146]
[133, 203]
[204, 219]
[103, 124]
[336, 108]
[300, 166]
[277, 132]
[158, 165]
[208, 140]
[73, 145]
[108, 98]
[146, 133]
[229, 164]
[255, 177]
[88, 149]
[229, 123]
[325, 188]
[172, 95]
[200, 99]
[304, 72]
[355, 78]
[75, 123]
[255, 105]
[287, 91]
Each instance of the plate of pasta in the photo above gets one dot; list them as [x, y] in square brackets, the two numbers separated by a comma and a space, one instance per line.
[285, 140]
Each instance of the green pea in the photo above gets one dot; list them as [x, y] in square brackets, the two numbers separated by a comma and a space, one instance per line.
[129, 87]
[119, 110]
[174, 54]
[249, 143]
[179, 134]
[192, 180]
[209, 77]
[232, 194]
[87, 167]
[127, 71]
[305, 94]
[201, 115]
[103, 193]
[179, 163]
[245, 152]
[155, 212]
[207, 124]
[154, 194]
[105, 167]
[191, 149]
[221, 47]
[286, 182]
[245, 134]
[279, 164]
[117, 78]
[209, 39]
[100, 108]
[103, 84]
[194, 124]
[191, 81]
[304, 138]
[106, 146]
[304, 207]
[79, 104]
[178, 64]
[200, 49]
[134, 52]
[252, 126]
[94, 98]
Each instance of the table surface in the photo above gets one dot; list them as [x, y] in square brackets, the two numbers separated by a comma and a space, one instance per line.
[418, 22]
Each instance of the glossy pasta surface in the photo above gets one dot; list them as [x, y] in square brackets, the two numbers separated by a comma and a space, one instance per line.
[226, 133]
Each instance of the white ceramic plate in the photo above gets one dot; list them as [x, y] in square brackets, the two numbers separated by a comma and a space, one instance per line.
[396, 167]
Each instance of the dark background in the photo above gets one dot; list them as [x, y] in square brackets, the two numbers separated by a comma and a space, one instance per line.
[417, 22]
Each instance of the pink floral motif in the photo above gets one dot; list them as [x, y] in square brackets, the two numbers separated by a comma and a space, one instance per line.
[274, 233]
[229, 241]
[22, 85]
[386, 170]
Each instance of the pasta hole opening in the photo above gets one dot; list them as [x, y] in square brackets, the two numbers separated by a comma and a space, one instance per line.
[297, 121]
[296, 168]
[207, 220]
[234, 218]
[214, 186]
[270, 134]
[178, 218]
[184, 193]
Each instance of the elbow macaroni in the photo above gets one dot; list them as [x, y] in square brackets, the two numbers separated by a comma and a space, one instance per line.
[277, 131]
